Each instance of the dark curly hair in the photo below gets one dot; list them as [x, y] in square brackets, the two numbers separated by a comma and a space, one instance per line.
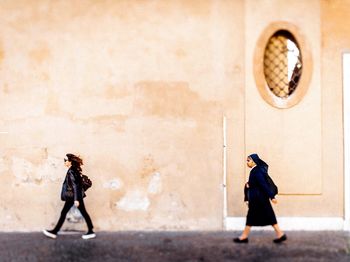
[76, 161]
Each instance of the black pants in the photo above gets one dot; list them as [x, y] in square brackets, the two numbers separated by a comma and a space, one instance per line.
[68, 204]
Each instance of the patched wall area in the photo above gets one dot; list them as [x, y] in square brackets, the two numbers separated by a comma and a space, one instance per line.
[138, 89]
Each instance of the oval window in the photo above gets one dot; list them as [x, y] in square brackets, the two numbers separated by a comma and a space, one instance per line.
[282, 64]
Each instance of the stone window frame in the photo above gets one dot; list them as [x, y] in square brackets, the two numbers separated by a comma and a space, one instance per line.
[258, 66]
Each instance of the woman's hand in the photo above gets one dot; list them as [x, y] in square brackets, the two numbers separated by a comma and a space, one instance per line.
[274, 200]
[76, 203]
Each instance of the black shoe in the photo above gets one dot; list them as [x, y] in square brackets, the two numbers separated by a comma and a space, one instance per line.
[238, 240]
[281, 239]
[50, 233]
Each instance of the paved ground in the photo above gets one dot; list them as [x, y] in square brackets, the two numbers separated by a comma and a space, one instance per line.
[175, 246]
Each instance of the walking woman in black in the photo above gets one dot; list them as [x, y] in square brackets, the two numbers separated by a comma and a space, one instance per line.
[258, 195]
[72, 193]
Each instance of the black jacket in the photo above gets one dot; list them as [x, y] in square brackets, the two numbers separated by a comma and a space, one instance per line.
[72, 183]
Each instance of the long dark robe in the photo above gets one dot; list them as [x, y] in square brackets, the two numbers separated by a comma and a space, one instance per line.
[260, 212]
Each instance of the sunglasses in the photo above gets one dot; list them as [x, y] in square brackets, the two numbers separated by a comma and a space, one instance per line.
[65, 159]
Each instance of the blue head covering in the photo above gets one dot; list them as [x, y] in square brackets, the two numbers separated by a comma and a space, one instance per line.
[260, 163]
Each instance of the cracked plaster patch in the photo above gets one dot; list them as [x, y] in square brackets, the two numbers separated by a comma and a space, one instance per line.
[22, 169]
[155, 185]
[45, 171]
[25, 171]
[134, 200]
[114, 184]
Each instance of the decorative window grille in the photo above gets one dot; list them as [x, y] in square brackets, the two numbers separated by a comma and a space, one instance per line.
[282, 64]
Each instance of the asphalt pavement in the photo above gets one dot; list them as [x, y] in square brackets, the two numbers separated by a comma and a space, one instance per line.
[176, 246]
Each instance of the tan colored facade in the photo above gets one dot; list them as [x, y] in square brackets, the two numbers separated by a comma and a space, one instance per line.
[139, 89]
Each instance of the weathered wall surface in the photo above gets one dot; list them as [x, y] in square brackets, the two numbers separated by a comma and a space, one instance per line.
[289, 139]
[335, 41]
[138, 89]
[302, 144]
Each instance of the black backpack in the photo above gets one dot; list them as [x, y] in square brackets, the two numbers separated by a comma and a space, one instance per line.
[86, 183]
[273, 188]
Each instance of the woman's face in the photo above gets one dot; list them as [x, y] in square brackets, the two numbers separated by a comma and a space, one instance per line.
[250, 162]
[67, 163]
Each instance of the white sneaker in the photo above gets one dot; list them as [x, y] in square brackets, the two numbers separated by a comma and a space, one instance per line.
[49, 234]
[89, 235]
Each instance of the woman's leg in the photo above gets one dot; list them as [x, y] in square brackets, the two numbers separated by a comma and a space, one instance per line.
[66, 207]
[86, 216]
[278, 231]
[245, 232]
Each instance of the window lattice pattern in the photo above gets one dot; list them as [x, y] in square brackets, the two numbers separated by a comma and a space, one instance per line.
[282, 64]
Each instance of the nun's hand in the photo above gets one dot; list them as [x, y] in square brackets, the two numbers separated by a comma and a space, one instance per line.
[274, 200]
[76, 203]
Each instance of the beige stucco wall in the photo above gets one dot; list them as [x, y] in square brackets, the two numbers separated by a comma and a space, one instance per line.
[335, 41]
[139, 89]
[302, 144]
[288, 139]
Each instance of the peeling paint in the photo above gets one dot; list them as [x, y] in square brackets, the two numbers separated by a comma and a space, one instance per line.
[45, 171]
[155, 185]
[134, 200]
[26, 171]
[114, 184]
[22, 169]
[148, 166]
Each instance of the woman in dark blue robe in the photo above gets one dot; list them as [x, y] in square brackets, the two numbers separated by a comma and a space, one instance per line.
[258, 195]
